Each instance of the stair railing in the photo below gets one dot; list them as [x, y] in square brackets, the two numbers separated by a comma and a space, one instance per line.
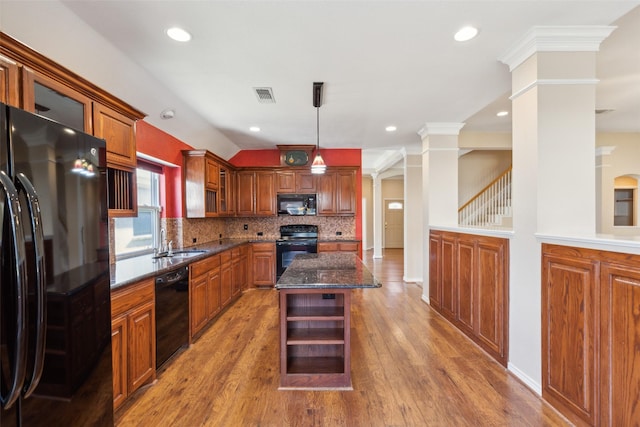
[488, 206]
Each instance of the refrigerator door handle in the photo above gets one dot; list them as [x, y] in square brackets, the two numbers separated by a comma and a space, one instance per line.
[33, 205]
[18, 364]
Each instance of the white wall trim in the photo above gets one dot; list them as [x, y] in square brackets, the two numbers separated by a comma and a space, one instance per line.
[526, 379]
[605, 150]
[585, 38]
[440, 129]
[425, 298]
[551, 82]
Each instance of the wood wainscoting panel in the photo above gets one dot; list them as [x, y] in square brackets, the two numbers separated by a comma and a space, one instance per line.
[568, 334]
[620, 344]
[448, 275]
[466, 267]
[493, 315]
[469, 285]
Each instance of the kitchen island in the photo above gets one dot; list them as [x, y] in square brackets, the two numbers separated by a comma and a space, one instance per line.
[315, 319]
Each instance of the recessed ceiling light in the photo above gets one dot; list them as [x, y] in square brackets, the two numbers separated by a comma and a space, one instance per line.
[254, 129]
[390, 128]
[178, 34]
[502, 113]
[465, 33]
[167, 114]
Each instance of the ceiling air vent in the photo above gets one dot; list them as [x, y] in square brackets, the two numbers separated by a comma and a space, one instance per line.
[265, 95]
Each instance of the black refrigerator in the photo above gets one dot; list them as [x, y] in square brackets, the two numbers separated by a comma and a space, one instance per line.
[55, 316]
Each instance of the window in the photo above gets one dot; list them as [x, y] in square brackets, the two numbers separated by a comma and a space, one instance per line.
[140, 235]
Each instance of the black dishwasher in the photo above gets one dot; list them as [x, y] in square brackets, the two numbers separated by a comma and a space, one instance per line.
[172, 313]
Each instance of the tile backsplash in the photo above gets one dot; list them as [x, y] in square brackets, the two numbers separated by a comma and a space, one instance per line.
[183, 231]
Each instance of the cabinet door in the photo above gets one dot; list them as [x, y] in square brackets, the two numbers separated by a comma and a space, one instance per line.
[265, 194]
[346, 192]
[448, 275]
[9, 82]
[212, 174]
[119, 132]
[285, 182]
[491, 290]
[568, 334]
[226, 283]
[245, 193]
[264, 269]
[198, 296]
[142, 345]
[435, 290]
[305, 182]
[119, 353]
[326, 187]
[620, 341]
[466, 292]
[213, 293]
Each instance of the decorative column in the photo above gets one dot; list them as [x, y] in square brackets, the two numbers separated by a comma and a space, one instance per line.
[439, 183]
[553, 189]
[604, 190]
[377, 215]
[413, 225]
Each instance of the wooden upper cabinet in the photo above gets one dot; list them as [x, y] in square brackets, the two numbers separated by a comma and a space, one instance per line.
[265, 194]
[9, 82]
[336, 191]
[255, 193]
[212, 174]
[326, 187]
[245, 194]
[119, 132]
[303, 182]
[47, 88]
[208, 185]
[285, 182]
[346, 192]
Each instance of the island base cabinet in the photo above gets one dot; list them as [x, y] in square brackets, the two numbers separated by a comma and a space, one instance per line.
[315, 348]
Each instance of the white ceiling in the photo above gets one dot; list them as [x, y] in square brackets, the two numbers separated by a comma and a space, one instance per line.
[383, 63]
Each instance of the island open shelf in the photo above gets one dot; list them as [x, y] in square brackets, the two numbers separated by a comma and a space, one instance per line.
[315, 320]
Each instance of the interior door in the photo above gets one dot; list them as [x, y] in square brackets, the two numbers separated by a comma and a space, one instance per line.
[394, 223]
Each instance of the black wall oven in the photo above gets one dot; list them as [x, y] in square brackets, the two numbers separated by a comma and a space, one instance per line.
[294, 239]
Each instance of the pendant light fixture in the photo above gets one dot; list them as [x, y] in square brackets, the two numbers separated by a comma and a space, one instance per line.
[318, 166]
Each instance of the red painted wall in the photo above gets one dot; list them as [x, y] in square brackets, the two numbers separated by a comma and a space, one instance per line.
[337, 157]
[156, 143]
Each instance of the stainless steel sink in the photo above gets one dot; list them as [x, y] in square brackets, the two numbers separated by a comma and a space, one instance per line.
[180, 254]
[187, 254]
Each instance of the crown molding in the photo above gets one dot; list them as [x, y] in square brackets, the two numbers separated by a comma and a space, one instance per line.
[556, 39]
[605, 150]
[440, 129]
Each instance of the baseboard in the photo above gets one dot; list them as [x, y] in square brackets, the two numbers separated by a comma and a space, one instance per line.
[425, 298]
[526, 379]
[416, 280]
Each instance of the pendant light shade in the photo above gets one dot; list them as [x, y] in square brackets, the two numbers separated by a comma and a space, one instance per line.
[318, 166]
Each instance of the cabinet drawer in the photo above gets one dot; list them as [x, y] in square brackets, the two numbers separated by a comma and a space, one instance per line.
[130, 296]
[348, 247]
[263, 247]
[202, 267]
[225, 257]
[327, 247]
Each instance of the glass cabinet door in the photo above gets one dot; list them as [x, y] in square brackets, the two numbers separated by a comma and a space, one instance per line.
[49, 98]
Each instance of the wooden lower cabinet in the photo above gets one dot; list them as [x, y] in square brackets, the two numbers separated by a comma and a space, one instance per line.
[263, 260]
[469, 285]
[133, 338]
[204, 292]
[590, 339]
[239, 270]
[213, 283]
[338, 246]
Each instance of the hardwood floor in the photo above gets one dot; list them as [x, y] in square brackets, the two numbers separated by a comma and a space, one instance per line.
[409, 368]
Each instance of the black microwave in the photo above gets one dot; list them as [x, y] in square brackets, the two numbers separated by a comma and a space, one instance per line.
[296, 204]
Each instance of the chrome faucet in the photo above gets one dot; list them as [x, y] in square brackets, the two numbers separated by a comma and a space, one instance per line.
[163, 240]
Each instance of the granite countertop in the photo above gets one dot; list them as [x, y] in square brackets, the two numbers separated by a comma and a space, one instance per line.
[132, 270]
[327, 270]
